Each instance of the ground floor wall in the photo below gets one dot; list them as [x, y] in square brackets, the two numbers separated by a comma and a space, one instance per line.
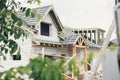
[30, 51]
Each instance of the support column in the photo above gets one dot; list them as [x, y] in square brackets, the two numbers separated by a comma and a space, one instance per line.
[82, 33]
[99, 37]
[91, 36]
[74, 50]
[87, 34]
[102, 36]
[96, 37]
[85, 60]
[74, 53]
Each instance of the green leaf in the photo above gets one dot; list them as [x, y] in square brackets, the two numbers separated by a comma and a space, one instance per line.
[2, 48]
[29, 1]
[13, 45]
[27, 12]
[18, 50]
[4, 57]
[24, 9]
[18, 34]
[1, 74]
[14, 49]
[11, 32]
[112, 47]
[5, 41]
[38, 16]
[82, 61]
[72, 66]
[33, 14]
[19, 23]
[21, 8]
[38, 1]
[22, 32]
[8, 75]
[1, 38]
[90, 56]
[14, 17]
[22, 70]
[6, 50]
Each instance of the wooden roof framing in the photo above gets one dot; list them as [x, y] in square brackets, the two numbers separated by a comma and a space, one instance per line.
[80, 43]
[97, 29]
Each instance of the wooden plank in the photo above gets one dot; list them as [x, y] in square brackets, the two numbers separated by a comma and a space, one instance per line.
[74, 50]
[81, 42]
[85, 60]
[69, 60]
[79, 46]
[67, 77]
[52, 55]
[90, 65]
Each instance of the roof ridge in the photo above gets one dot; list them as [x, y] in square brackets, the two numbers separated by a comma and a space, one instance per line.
[42, 6]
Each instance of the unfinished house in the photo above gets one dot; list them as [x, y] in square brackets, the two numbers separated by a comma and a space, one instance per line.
[48, 36]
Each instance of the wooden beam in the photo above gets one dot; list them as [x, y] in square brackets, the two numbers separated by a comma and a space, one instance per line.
[69, 60]
[53, 55]
[85, 60]
[67, 77]
[80, 46]
[90, 65]
[81, 42]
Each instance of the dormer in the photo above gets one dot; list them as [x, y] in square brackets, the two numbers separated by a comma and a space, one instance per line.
[48, 26]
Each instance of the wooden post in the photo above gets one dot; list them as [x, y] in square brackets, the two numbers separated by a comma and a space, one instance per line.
[74, 50]
[96, 37]
[87, 34]
[91, 35]
[85, 60]
[74, 53]
[43, 53]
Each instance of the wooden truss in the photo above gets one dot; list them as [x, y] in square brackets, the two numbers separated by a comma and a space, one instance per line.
[80, 43]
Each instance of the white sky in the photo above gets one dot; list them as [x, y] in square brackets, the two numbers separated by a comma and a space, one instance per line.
[83, 13]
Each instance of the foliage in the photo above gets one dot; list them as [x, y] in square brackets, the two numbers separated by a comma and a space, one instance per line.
[112, 47]
[89, 57]
[37, 69]
[72, 66]
[10, 25]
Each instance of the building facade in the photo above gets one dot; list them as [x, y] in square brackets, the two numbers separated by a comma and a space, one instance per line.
[49, 37]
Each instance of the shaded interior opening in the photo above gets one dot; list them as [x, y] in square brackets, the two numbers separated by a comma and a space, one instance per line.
[45, 29]
[16, 57]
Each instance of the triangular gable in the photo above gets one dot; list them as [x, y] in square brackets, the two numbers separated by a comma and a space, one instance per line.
[80, 41]
[54, 17]
[75, 39]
